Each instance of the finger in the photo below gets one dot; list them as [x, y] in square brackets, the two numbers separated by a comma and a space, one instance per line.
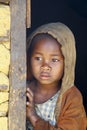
[30, 97]
[30, 91]
[27, 103]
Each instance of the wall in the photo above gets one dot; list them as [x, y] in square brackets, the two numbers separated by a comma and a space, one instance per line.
[4, 64]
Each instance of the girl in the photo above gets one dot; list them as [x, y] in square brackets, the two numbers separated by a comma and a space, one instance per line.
[54, 103]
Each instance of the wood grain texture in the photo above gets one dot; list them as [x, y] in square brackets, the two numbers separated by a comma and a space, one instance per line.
[17, 102]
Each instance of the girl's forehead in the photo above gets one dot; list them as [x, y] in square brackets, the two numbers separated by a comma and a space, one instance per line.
[47, 46]
[46, 43]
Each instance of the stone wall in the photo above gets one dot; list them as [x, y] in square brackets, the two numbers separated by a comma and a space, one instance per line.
[4, 64]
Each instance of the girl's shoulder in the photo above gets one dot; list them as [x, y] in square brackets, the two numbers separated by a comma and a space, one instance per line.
[73, 93]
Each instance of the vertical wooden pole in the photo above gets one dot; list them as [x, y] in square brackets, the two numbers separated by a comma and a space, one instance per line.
[17, 102]
[28, 13]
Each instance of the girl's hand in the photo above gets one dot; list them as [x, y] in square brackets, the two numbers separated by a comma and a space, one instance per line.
[30, 103]
[30, 109]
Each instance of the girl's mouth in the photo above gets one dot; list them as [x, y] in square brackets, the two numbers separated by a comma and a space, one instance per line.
[44, 75]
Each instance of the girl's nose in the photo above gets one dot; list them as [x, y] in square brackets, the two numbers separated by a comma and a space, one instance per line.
[46, 66]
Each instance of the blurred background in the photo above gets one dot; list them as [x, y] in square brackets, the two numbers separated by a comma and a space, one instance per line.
[73, 13]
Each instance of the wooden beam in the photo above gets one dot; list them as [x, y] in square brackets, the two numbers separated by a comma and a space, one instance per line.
[28, 13]
[17, 102]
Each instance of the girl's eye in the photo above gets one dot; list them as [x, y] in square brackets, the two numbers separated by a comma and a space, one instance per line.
[38, 58]
[55, 60]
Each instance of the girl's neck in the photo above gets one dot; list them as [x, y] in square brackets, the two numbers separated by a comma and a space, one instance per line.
[44, 92]
[47, 88]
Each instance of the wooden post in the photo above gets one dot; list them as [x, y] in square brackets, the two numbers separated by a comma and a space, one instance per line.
[17, 102]
[28, 13]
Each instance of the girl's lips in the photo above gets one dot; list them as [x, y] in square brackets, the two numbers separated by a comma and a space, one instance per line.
[44, 75]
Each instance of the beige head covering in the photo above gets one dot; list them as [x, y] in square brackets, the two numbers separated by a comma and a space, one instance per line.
[66, 38]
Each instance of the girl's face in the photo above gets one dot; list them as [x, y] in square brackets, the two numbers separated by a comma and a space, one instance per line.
[47, 62]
